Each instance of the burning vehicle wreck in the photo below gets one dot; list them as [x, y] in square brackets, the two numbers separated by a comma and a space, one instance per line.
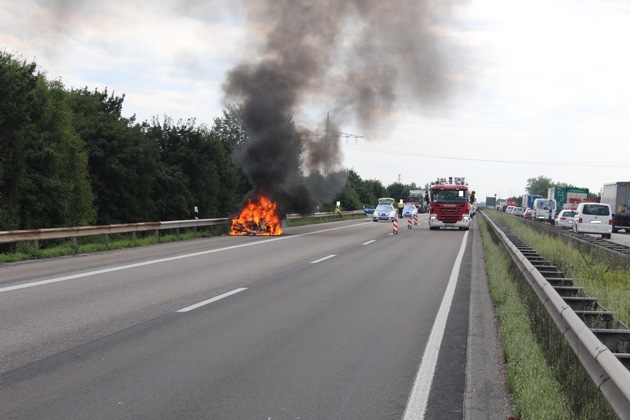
[259, 216]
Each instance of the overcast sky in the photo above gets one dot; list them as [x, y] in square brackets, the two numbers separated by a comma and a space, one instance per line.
[538, 87]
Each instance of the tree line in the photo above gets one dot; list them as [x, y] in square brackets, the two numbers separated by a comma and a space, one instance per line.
[69, 158]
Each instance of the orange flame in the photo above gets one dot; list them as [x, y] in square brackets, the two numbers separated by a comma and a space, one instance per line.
[258, 218]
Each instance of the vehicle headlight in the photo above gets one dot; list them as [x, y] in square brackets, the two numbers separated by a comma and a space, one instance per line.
[433, 217]
[466, 218]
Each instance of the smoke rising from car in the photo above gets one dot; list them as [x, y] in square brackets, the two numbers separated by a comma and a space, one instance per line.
[356, 57]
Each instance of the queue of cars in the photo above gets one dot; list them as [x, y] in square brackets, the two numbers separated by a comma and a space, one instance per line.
[593, 218]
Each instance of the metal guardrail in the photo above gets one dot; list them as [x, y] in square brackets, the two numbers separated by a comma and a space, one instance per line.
[605, 369]
[11, 236]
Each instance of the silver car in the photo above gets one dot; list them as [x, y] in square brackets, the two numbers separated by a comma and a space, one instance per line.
[565, 219]
[410, 210]
[384, 212]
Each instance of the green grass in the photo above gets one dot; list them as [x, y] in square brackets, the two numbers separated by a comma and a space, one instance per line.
[545, 378]
[535, 392]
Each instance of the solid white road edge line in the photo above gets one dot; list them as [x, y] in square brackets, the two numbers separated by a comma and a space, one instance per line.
[419, 396]
[161, 260]
[323, 259]
[214, 299]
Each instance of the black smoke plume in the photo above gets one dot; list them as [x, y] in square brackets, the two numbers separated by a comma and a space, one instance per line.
[354, 57]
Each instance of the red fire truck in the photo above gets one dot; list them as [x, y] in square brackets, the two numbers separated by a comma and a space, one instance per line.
[450, 203]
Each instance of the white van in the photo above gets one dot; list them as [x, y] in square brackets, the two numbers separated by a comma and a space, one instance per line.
[544, 209]
[593, 218]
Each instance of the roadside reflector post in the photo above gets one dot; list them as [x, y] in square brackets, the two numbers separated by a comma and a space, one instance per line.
[395, 225]
[415, 219]
[409, 223]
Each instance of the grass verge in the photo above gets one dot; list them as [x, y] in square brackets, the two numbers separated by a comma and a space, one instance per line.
[545, 377]
[534, 390]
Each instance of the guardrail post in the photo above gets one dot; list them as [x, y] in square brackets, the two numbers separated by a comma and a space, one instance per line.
[106, 239]
[177, 232]
[157, 235]
[36, 244]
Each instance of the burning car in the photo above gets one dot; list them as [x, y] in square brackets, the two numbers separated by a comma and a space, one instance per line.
[258, 217]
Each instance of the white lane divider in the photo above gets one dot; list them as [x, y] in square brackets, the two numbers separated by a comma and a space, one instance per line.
[369, 242]
[419, 397]
[323, 259]
[214, 299]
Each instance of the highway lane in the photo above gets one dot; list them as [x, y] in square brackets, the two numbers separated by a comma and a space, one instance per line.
[328, 321]
[41, 320]
[621, 238]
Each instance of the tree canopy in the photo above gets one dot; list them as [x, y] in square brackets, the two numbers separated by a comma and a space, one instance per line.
[68, 157]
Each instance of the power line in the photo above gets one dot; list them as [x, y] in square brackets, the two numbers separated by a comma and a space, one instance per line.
[504, 161]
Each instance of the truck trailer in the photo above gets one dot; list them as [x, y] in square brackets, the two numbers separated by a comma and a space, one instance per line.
[566, 197]
[617, 196]
[528, 200]
[417, 197]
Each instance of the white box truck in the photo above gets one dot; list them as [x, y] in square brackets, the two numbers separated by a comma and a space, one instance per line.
[617, 196]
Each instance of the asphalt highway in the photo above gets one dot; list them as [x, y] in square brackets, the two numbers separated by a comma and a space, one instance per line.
[342, 320]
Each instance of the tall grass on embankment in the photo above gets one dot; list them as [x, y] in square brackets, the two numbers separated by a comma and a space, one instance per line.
[544, 377]
[609, 284]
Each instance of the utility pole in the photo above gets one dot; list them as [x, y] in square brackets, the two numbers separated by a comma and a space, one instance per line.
[328, 135]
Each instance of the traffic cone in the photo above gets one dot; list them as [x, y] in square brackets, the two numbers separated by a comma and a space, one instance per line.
[409, 223]
[395, 225]
[415, 219]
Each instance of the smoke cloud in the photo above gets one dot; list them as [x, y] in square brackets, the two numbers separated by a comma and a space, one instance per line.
[358, 58]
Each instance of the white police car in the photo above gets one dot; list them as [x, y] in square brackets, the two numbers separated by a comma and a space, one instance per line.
[384, 212]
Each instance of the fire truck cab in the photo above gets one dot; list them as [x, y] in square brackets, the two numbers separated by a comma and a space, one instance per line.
[450, 204]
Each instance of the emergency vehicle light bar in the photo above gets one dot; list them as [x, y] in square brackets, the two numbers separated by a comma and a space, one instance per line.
[460, 180]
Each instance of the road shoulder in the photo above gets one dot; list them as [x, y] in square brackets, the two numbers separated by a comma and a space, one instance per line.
[486, 394]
